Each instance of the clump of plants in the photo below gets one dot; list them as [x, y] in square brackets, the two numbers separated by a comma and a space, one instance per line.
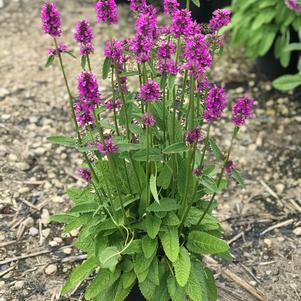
[153, 168]
[261, 25]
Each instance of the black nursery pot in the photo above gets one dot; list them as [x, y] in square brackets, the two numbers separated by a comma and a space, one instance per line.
[135, 295]
[271, 67]
[203, 14]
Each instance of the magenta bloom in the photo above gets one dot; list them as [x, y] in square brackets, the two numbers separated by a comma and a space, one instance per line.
[197, 171]
[168, 66]
[86, 49]
[229, 167]
[137, 5]
[114, 50]
[146, 24]
[166, 50]
[141, 47]
[181, 22]
[84, 113]
[242, 110]
[221, 17]
[148, 120]
[88, 87]
[111, 104]
[170, 6]
[106, 11]
[51, 21]
[193, 136]
[108, 148]
[61, 48]
[215, 104]
[150, 91]
[83, 32]
[85, 173]
[293, 5]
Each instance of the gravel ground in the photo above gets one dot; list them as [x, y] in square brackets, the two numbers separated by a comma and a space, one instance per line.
[34, 174]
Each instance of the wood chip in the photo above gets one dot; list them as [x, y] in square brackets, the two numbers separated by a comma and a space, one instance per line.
[279, 225]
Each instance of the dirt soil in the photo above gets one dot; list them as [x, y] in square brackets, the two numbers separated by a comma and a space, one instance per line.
[34, 174]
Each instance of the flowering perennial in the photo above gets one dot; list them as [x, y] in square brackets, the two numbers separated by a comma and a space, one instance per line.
[106, 11]
[293, 5]
[61, 49]
[148, 119]
[51, 21]
[88, 89]
[85, 173]
[194, 136]
[83, 32]
[221, 17]
[108, 148]
[242, 110]
[170, 6]
[150, 91]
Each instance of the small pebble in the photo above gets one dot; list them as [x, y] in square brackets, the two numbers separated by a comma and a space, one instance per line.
[18, 285]
[297, 231]
[33, 231]
[45, 217]
[12, 157]
[29, 222]
[268, 242]
[67, 251]
[58, 199]
[51, 269]
[46, 232]
[23, 190]
[279, 188]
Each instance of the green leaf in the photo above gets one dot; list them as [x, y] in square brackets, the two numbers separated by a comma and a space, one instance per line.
[176, 292]
[216, 151]
[211, 285]
[171, 82]
[71, 54]
[237, 177]
[209, 183]
[154, 155]
[287, 82]
[152, 225]
[164, 205]
[153, 273]
[147, 289]
[84, 62]
[164, 177]
[84, 208]
[176, 148]
[265, 16]
[106, 67]
[204, 243]
[196, 2]
[171, 219]
[149, 246]
[104, 279]
[80, 273]
[62, 140]
[129, 73]
[50, 60]
[128, 279]
[141, 265]
[109, 257]
[182, 267]
[134, 247]
[62, 218]
[268, 40]
[153, 187]
[170, 243]
[293, 46]
[127, 147]
[121, 292]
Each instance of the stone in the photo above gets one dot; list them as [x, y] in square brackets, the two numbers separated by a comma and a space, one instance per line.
[46, 232]
[29, 222]
[23, 166]
[45, 217]
[51, 269]
[12, 157]
[19, 285]
[268, 242]
[58, 199]
[53, 243]
[280, 188]
[33, 231]
[59, 240]
[23, 190]
[67, 251]
[297, 231]
[3, 92]
[40, 151]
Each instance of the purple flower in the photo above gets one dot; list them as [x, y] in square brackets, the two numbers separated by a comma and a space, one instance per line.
[85, 173]
[83, 32]
[293, 5]
[61, 48]
[166, 50]
[203, 84]
[146, 25]
[197, 171]
[111, 104]
[88, 87]
[221, 17]
[51, 22]
[114, 50]
[215, 104]
[168, 66]
[148, 119]
[108, 148]
[170, 6]
[229, 166]
[150, 91]
[86, 49]
[106, 11]
[193, 136]
[181, 22]
[137, 5]
[242, 110]
[84, 113]
[141, 47]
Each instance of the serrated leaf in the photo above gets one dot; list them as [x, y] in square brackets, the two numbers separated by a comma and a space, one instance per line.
[134, 247]
[80, 273]
[176, 292]
[176, 148]
[153, 273]
[170, 243]
[204, 243]
[171, 219]
[103, 280]
[153, 187]
[62, 218]
[152, 225]
[182, 267]
[109, 257]
[128, 279]
[84, 208]
[216, 151]
[164, 205]
[50, 60]
[106, 67]
[149, 246]
[209, 183]
[211, 285]
[121, 292]
[147, 289]
[62, 140]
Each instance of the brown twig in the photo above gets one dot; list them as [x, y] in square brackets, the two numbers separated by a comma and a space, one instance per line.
[279, 225]
[24, 257]
[7, 243]
[6, 271]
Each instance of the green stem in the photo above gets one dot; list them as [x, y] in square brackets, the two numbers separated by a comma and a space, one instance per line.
[164, 117]
[183, 94]
[188, 4]
[114, 102]
[89, 63]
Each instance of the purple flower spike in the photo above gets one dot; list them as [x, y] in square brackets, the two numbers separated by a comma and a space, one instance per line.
[194, 136]
[148, 120]
[114, 50]
[106, 11]
[86, 49]
[221, 17]
[108, 148]
[168, 66]
[181, 22]
[150, 91]
[61, 48]
[137, 5]
[111, 104]
[83, 32]
[85, 173]
[215, 104]
[166, 50]
[293, 5]
[242, 110]
[51, 22]
[84, 113]
[88, 87]
[170, 6]
[229, 167]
